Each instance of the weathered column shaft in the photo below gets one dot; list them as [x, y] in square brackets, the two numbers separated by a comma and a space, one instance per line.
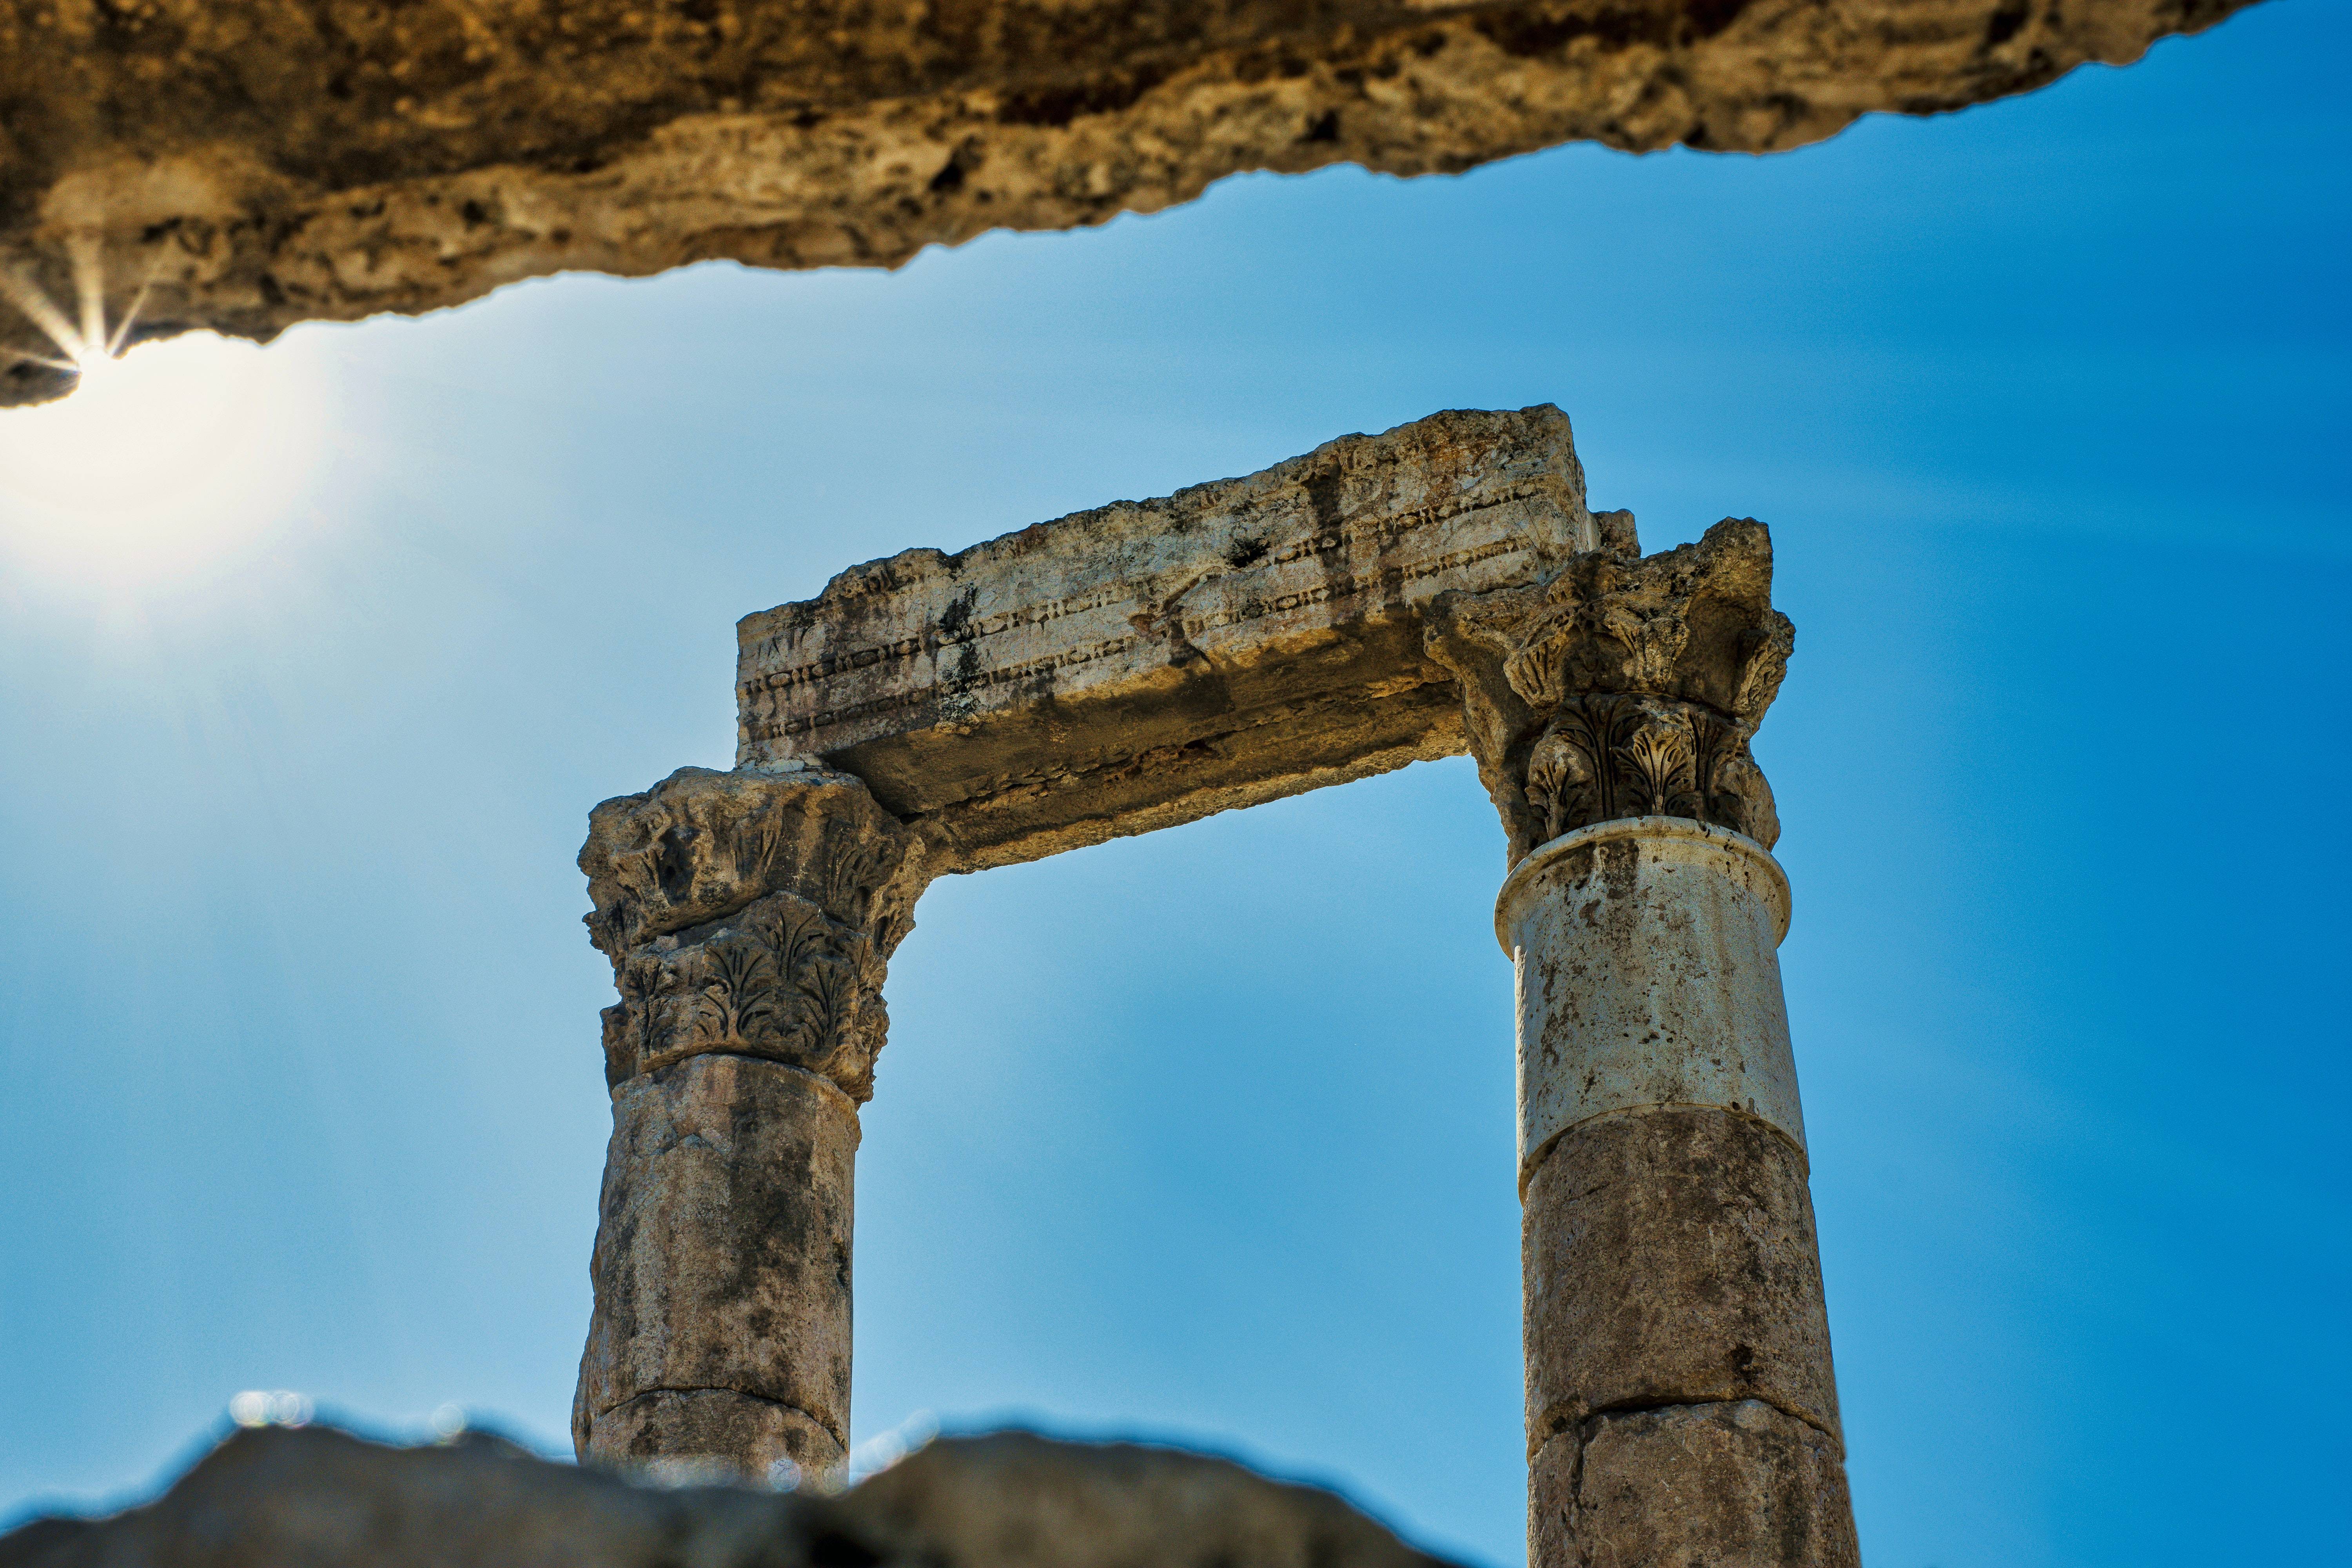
[748, 916]
[1680, 1404]
[722, 1328]
[1680, 1400]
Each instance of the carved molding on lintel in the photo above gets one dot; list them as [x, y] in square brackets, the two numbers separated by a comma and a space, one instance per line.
[1623, 685]
[750, 913]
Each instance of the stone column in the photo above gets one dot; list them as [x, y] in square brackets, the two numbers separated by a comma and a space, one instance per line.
[747, 916]
[1681, 1405]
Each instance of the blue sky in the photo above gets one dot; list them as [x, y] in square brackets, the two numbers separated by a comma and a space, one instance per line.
[1207, 1136]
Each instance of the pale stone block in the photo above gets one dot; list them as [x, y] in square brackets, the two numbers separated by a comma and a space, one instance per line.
[1669, 1256]
[1737, 1485]
[721, 1261]
[1146, 663]
[1647, 974]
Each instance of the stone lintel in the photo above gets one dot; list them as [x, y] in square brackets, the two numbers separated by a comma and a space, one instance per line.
[1145, 664]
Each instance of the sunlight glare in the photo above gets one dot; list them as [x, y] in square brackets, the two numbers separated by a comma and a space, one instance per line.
[175, 453]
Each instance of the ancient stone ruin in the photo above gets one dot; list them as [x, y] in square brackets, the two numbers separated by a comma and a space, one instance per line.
[244, 165]
[1438, 589]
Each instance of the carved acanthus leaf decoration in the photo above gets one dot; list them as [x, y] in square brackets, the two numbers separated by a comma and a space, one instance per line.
[779, 981]
[1609, 756]
[750, 914]
[1623, 685]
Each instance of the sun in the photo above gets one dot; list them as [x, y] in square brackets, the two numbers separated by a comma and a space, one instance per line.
[173, 453]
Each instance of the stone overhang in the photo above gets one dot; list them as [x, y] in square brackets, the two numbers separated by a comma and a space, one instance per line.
[243, 165]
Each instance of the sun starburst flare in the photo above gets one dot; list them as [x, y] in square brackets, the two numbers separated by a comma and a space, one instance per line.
[164, 454]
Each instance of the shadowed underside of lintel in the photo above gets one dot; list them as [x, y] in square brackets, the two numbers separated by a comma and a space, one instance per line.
[1147, 663]
[244, 165]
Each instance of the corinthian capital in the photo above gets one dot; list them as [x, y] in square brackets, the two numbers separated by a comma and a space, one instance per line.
[1623, 685]
[749, 913]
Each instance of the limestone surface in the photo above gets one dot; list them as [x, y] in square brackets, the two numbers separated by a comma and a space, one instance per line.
[1681, 1402]
[1146, 663]
[1647, 974]
[1730, 1485]
[748, 917]
[723, 1314]
[272, 1498]
[1670, 1258]
[247, 165]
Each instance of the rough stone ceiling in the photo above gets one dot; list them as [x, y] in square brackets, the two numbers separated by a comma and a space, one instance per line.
[253, 164]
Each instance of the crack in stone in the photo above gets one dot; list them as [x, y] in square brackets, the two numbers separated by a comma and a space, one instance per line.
[1536, 1161]
[1669, 1487]
[1648, 1406]
[810, 1416]
[810, 1073]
